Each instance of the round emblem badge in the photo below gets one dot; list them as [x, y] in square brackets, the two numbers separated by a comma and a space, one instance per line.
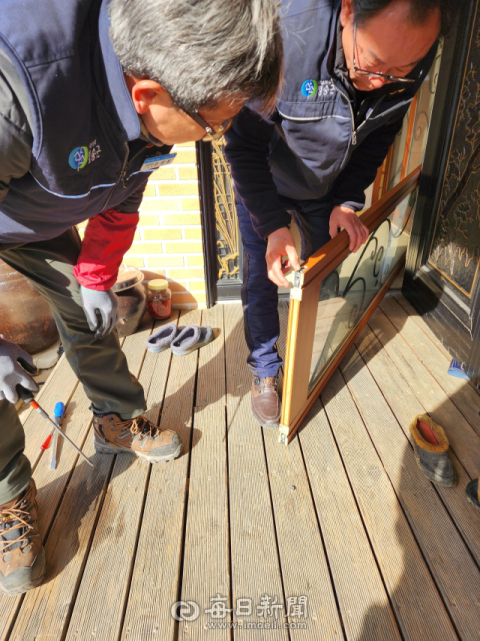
[78, 158]
[309, 88]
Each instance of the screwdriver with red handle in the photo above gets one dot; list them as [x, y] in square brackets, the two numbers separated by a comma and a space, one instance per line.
[27, 397]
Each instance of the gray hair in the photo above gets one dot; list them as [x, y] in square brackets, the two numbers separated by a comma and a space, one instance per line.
[201, 51]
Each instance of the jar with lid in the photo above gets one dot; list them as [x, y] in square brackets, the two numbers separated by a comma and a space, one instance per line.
[159, 299]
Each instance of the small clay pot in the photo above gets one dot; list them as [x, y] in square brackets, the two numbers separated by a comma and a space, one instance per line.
[132, 303]
[25, 316]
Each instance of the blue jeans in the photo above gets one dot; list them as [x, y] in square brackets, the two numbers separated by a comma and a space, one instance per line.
[259, 294]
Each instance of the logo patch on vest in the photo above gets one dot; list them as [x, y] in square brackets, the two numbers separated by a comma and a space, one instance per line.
[324, 88]
[80, 156]
[309, 88]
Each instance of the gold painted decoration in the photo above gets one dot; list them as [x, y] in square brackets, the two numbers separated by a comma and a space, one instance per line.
[226, 221]
[455, 248]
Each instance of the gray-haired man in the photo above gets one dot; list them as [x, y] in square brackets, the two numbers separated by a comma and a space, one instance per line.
[93, 94]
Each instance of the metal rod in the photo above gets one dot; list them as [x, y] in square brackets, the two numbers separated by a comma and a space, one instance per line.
[45, 415]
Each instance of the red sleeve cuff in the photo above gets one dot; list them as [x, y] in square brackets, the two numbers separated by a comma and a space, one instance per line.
[108, 237]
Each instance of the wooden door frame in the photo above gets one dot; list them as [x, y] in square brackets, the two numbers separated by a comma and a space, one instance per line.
[297, 399]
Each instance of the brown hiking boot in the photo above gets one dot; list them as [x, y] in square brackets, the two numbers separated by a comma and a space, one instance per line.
[22, 556]
[136, 435]
[266, 406]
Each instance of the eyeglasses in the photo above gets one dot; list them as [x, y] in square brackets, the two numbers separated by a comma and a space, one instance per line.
[374, 74]
[211, 134]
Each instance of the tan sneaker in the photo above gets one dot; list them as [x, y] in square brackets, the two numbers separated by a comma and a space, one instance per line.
[138, 436]
[22, 556]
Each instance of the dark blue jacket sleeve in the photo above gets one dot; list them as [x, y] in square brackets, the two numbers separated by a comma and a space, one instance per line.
[132, 204]
[360, 171]
[247, 152]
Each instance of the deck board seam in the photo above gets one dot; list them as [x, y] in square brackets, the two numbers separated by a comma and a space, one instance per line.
[176, 632]
[275, 531]
[78, 582]
[457, 462]
[322, 536]
[402, 508]
[457, 457]
[68, 618]
[446, 361]
[360, 514]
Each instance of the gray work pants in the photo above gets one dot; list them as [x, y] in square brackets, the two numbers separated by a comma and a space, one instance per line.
[99, 365]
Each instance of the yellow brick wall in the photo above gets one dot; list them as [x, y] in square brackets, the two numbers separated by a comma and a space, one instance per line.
[168, 242]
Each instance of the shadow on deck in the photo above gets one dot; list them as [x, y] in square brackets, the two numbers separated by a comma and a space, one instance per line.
[337, 536]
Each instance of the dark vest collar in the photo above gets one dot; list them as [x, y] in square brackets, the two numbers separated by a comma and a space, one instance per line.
[126, 113]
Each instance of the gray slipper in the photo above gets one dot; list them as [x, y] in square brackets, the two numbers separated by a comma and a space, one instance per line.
[163, 337]
[191, 338]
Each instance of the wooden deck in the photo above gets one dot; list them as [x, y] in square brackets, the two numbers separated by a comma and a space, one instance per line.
[341, 520]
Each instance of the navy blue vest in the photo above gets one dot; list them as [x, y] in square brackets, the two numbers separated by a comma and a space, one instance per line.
[86, 154]
[317, 134]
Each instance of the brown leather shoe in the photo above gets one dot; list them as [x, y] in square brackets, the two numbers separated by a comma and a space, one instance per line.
[138, 436]
[266, 406]
[22, 556]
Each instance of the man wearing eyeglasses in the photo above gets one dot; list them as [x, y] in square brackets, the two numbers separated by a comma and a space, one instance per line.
[352, 67]
[93, 94]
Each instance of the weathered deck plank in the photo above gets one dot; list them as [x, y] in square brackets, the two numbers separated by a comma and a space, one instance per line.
[304, 570]
[405, 405]
[51, 483]
[155, 580]
[456, 574]
[34, 621]
[211, 386]
[206, 539]
[421, 324]
[342, 515]
[461, 392]
[45, 611]
[255, 564]
[404, 571]
[154, 375]
[102, 594]
[362, 598]
[206, 573]
[464, 441]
